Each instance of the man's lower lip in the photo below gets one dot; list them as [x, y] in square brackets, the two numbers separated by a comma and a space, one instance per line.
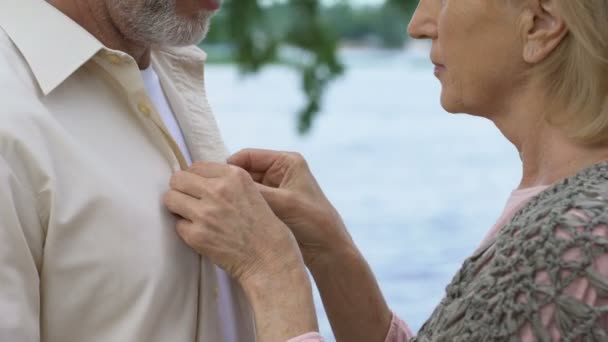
[211, 5]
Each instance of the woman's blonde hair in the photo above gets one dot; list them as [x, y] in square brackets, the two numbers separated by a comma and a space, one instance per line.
[577, 72]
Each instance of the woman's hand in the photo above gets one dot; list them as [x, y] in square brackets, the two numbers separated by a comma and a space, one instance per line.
[352, 298]
[296, 198]
[224, 217]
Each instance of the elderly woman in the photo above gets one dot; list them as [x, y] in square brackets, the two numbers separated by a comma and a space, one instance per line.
[539, 70]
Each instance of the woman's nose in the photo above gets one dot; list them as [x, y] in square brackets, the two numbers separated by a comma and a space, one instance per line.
[424, 21]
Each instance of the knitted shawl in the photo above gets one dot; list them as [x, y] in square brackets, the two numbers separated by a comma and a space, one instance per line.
[497, 291]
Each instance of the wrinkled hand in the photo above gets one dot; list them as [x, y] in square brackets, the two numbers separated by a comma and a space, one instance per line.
[294, 195]
[225, 218]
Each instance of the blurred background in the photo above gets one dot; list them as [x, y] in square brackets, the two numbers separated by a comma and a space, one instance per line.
[340, 82]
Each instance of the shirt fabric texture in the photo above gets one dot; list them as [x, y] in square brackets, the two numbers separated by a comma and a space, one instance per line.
[88, 252]
[160, 101]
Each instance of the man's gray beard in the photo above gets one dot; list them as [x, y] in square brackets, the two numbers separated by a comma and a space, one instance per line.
[155, 22]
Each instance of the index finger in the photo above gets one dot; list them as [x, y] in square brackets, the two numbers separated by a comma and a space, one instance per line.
[255, 160]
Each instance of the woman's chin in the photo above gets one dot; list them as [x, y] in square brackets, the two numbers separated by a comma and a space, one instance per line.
[449, 105]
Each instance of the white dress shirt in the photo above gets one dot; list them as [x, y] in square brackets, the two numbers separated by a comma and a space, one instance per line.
[157, 95]
[88, 252]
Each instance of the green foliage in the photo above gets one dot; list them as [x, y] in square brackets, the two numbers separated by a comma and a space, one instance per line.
[379, 25]
[258, 35]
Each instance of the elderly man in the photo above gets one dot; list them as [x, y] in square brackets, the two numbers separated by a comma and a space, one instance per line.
[101, 102]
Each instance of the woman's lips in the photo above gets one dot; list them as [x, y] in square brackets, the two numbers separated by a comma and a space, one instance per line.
[439, 68]
[211, 5]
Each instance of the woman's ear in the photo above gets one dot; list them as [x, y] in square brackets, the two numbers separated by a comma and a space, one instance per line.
[542, 30]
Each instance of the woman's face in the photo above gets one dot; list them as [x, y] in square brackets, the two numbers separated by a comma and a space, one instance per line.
[477, 51]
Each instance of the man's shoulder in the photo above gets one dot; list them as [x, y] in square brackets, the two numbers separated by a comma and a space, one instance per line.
[16, 78]
[20, 95]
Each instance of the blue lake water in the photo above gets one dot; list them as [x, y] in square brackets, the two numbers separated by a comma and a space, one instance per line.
[417, 187]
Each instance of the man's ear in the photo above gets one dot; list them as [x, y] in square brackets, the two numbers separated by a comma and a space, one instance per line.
[542, 30]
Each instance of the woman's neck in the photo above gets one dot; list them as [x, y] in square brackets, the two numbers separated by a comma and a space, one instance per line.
[549, 156]
[547, 153]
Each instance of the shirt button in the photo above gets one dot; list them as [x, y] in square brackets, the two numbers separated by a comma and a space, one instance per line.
[216, 292]
[144, 109]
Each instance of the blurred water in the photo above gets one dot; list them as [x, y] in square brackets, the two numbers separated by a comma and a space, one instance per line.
[417, 187]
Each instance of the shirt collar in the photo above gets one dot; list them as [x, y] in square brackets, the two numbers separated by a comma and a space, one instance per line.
[53, 45]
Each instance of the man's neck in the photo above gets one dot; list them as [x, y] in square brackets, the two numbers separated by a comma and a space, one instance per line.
[95, 17]
[547, 153]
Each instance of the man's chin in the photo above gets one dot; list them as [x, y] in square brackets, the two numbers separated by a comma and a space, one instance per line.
[192, 38]
[197, 39]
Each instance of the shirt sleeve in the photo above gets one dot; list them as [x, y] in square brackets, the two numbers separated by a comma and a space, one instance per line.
[309, 337]
[398, 332]
[20, 260]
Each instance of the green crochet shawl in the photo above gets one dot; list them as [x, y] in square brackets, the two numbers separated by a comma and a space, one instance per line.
[496, 292]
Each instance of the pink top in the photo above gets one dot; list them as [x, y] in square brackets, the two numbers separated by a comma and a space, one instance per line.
[581, 290]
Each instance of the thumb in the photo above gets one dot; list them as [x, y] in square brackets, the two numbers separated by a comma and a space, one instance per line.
[277, 199]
